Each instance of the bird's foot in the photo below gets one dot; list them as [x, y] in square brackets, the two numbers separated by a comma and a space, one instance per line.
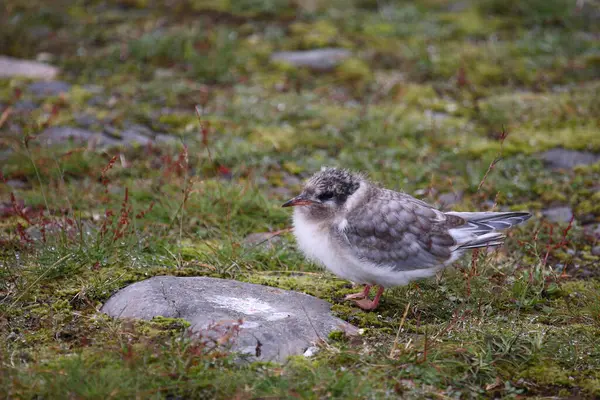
[355, 296]
[362, 295]
[367, 304]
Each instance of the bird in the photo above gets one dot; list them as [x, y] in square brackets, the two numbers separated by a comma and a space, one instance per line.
[377, 237]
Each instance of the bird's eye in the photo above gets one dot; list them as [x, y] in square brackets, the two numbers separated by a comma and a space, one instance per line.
[325, 196]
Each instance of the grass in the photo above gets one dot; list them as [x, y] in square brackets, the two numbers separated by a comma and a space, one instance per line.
[423, 106]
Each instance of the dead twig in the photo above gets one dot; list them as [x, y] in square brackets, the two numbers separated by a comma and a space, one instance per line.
[395, 346]
[503, 136]
[4, 116]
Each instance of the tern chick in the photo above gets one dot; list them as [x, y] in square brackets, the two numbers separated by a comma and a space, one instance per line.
[376, 236]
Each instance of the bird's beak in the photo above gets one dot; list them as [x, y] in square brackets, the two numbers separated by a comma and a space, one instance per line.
[300, 200]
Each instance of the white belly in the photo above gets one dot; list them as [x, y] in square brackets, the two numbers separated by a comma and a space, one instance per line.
[317, 244]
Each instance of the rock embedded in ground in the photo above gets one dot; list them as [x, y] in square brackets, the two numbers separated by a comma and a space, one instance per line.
[568, 159]
[318, 60]
[25, 106]
[17, 184]
[82, 228]
[12, 67]
[62, 134]
[109, 138]
[592, 230]
[279, 322]
[558, 214]
[85, 120]
[264, 240]
[49, 88]
[449, 199]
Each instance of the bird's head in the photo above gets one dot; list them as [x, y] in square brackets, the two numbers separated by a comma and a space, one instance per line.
[326, 191]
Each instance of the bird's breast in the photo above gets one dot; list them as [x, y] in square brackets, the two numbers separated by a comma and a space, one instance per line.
[316, 242]
[312, 237]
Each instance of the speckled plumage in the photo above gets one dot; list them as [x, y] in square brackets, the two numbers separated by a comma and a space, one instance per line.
[393, 229]
[376, 236]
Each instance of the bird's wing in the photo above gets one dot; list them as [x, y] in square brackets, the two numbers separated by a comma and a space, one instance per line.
[396, 230]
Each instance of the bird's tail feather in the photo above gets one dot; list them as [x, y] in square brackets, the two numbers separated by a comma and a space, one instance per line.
[481, 229]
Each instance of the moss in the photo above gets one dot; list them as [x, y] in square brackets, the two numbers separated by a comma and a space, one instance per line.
[591, 204]
[351, 313]
[280, 138]
[176, 324]
[179, 121]
[78, 95]
[470, 23]
[354, 70]
[592, 386]
[532, 140]
[293, 168]
[203, 5]
[315, 284]
[548, 374]
[337, 336]
[379, 28]
[319, 34]
[486, 74]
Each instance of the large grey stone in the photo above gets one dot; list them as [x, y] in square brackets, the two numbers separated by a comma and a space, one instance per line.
[592, 230]
[283, 322]
[135, 134]
[319, 59]
[85, 120]
[24, 106]
[10, 67]
[62, 134]
[567, 159]
[263, 240]
[50, 88]
[558, 214]
[109, 138]
[448, 199]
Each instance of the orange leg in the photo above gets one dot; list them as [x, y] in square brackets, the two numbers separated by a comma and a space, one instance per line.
[362, 295]
[367, 304]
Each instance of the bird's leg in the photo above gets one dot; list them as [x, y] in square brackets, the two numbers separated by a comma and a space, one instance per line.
[367, 304]
[362, 295]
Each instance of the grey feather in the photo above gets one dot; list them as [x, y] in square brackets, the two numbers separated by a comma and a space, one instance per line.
[484, 226]
[397, 230]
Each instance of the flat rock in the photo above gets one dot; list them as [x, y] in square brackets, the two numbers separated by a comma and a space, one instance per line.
[49, 88]
[11, 67]
[459, 6]
[85, 120]
[24, 106]
[264, 240]
[319, 59]
[5, 154]
[109, 138]
[17, 184]
[63, 134]
[592, 230]
[279, 322]
[449, 199]
[558, 214]
[568, 159]
[135, 134]
[85, 228]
